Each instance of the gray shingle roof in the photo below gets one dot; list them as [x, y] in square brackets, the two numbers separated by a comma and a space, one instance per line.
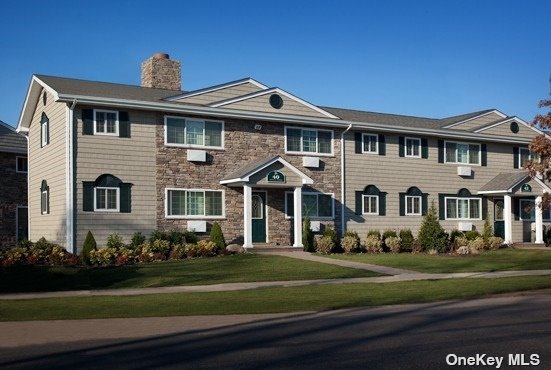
[11, 141]
[504, 181]
[248, 168]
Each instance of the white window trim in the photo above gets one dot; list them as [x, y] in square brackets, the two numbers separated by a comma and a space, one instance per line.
[195, 217]
[313, 154]
[376, 152]
[418, 140]
[469, 210]
[376, 213]
[530, 155]
[44, 126]
[46, 193]
[332, 217]
[113, 210]
[461, 163]
[17, 164]
[194, 146]
[520, 209]
[116, 133]
[420, 205]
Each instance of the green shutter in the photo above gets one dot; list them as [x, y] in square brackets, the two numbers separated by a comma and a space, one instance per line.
[125, 198]
[424, 148]
[124, 124]
[484, 154]
[382, 145]
[515, 157]
[48, 133]
[424, 203]
[358, 142]
[440, 151]
[88, 122]
[402, 204]
[41, 123]
[516, 211]
[382, 204]
[359, 207]
[289, 200]
[88, 196]
[401, 144]
[441, 206]
[48, 200]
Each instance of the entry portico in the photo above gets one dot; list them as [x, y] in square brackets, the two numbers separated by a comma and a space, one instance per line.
[270, 173]
[522, 195]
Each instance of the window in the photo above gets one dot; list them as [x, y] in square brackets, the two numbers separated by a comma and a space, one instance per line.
[370, 144]
[314, 205]
[463, 208]
[106, 122]
[44, 198]
[193, 132]
[527, 209]
[413, 147]
[462, 153]
[21, 164]
[106, 199]
[44, 130]
[186, 203]
[309, 141]
[370, 205]
[413, 205]
[499, 206]
[525, 155]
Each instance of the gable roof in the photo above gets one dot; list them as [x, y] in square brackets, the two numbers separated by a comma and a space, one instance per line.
[216, 88]
[243, 174]
[11, 141]
[479, 115]
[504, 182]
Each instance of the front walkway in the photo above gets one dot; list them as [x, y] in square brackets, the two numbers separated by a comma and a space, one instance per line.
[393, 275]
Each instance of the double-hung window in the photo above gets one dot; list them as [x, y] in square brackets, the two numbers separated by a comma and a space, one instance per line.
[413, 205]
[192, 132]
[463, 208]
[370, 144]
[308, 141]
[413, 147]
[370, 205]
[106, 122]
[525, 155]
[106, 199]
[194, 203]
[314, 205]
[462, 153]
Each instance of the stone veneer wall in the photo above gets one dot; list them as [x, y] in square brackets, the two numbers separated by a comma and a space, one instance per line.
[242, 144]
[13, 193]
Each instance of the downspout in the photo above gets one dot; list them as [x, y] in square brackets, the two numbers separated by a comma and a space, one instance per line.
[28, 189]
[69, 181]
[343, 183]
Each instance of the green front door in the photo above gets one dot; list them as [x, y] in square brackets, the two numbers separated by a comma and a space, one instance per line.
[258, 203]
[499, 224]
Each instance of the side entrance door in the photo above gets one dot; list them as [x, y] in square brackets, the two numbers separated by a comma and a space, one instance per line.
[22, 223]
[499, 223]
[259, 217]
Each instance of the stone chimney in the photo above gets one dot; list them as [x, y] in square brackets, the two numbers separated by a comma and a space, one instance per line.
[161, 72]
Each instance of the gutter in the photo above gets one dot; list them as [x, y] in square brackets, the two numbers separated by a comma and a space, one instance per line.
[69, 179]
[343, 181]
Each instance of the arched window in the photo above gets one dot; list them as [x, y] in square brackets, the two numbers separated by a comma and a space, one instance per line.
[44, 198]
[371, 201]
[44, 130]
[107, 194]
[413, 202]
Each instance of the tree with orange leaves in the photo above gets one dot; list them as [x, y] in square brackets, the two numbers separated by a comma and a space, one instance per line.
[541, 147]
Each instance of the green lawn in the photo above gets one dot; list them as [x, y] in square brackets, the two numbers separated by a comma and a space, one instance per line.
[501, 260]
[268, 300]
[226, 269]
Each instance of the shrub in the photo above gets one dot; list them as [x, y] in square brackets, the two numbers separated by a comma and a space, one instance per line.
[137, 239]
[373, 244]
[176, 237]
[472, 235]
[432, 252]
[416, 247]
[350, 242]
[103, 257]
[114, 240]
[547, 236]
[157, 235]
[376, 233]
[494, 243]
[394, 243]
[325, 244]
[476, 245]
[206, 248]
[307, 236]
[191, 250]
[88, 246]
[57, 256]
[14, 256]
[27, 244]
[190, 237]
[431, 234]
[462, 250]
[487, 232]
[178, 252]
[217, 236]
[332, 233]
[459, 242]
[389, 233]
[407, 239]
[455, 234]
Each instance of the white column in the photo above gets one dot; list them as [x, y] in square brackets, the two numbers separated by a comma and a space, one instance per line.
[539, 221]
[297, 220]
[247, 217]
[508, 219]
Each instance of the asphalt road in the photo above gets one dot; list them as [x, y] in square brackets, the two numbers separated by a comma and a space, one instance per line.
[397, 337]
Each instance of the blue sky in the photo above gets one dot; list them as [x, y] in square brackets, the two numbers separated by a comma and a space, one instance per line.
[422, 58]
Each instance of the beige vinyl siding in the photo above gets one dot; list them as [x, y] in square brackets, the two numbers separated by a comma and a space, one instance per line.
[222, 94]
[48, 163]
[478, 122]
[262, 104]
[505, 130]
[393, 174]
[132, 160]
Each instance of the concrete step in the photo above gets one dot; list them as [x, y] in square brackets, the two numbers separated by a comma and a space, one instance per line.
[266, 247]
[529, 246]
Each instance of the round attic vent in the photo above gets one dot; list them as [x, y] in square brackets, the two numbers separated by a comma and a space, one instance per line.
[276, 101]
[514, 127]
